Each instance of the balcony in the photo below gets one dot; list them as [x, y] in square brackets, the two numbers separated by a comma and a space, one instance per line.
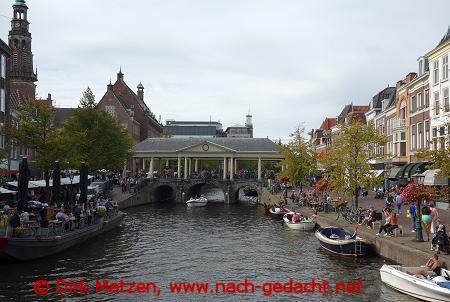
[398, 124]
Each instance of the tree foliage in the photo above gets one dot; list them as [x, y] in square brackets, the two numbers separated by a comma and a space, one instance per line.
[439, 159]
[94, 137]
[346, 163]
[299, 159]
[88, 99]
[36, 130]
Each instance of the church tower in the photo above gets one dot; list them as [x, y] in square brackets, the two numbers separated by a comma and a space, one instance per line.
[22, 75]
[249, 123]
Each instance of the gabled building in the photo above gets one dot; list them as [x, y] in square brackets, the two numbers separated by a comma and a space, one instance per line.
[130, 110]
[320, 138]
[5, 53]
[439, 92]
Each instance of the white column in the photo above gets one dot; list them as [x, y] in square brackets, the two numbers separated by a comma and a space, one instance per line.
[152, 165]
[143, 164]
[185, 168]
[179, 168]
[167, 163]
[133, 165]
[196, 165]
[190, 167]
[231, 169]
[259, 169]
[224, 168]
[235, 164]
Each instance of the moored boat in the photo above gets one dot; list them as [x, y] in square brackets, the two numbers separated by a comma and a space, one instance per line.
[436, 289]
[305, 223]
[197, 202]
[45, 242]
[277, 212]
[339, 241]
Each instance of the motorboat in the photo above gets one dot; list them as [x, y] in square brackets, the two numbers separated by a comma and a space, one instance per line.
[425, 288]
[305, 223]
[197, 202]
[277, 212]
[42, 242]
[339, 241]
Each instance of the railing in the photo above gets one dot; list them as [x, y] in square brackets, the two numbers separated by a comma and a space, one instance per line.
[34, 229]
[398, 123]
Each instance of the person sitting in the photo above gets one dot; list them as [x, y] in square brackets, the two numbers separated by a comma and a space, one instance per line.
[77, 215]
[393, 221]
[295, 218]
[14, 222]
[433, 268]
[62, 216]
[387, 225]
[25, 216]
[371, 217]
[43, 216]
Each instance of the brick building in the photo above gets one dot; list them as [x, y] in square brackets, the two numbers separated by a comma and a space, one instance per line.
[130, 110]
[5, 53]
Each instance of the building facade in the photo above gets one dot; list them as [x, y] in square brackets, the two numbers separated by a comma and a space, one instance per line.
[5, 53]
[130, 110]
[439, 92]
[175, 128]
[245, 131]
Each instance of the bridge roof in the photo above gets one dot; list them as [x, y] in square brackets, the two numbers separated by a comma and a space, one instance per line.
[180, 144]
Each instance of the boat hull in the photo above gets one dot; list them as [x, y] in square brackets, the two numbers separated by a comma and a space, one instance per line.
[195, 204]
[419, 288]
[308, 225]
[24, 249]
[344, 247]
[277, 215]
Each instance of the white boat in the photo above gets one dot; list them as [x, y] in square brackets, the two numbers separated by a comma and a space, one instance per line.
[436, 289]
[197, 202]
[305, 223]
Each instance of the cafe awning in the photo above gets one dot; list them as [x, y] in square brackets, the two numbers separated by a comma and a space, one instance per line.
[410, 169]
[6, 191]
[391, 175]
[432, 179]
[376, 173]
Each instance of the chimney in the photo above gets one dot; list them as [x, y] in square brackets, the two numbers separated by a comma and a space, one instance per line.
[120, 74]
[140, 91]
[49, 100]
[110, 86]
[410, 76]
[399, 84]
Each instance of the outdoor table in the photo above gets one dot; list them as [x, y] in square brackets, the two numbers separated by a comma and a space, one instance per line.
[29, 225]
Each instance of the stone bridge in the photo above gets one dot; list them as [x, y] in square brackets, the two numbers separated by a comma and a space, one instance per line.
[181, 190]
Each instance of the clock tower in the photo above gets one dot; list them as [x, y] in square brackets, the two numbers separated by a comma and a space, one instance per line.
[21, 73]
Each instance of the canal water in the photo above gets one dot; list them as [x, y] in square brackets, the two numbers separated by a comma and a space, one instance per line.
[217, 243]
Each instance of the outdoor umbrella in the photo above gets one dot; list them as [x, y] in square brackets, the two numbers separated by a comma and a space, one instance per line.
[83, 183]
[56, 188]
[22, 189]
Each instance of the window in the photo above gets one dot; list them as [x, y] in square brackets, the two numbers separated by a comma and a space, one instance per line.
[2, 100]
[427, 134]
[436, 103]
[445, 68]
[434, 132]
[412, 104]
[442, 131]
[426, 104]
[413, 137]
[420, 67]
[446, 101]
[419, 136]
[111, 110]
[419, 101]
[435, 72]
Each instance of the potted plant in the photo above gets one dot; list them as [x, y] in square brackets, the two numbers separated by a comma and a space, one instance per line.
[19, 231]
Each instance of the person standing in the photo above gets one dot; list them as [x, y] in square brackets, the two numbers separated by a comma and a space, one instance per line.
[398, 203]
[426, 219]
[412, 213]
[434, 215]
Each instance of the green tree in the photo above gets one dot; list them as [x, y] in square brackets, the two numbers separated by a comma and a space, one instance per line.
[36, 130]
[299, 160]
[346, 163]
[3, 163]
[88, 99]
[93, 136]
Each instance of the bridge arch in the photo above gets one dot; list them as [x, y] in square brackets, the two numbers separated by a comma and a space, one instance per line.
[206, 189]
[247, 193]
[164, 193]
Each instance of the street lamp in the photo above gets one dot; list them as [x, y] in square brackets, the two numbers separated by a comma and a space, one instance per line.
[71, 176]
[419, 178]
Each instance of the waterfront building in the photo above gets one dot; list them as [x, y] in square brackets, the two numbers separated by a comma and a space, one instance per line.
[175, 128]
[320, 138]
[130, 110]
[439, 92]
[5, 53]
[241, 130]
[349, 114]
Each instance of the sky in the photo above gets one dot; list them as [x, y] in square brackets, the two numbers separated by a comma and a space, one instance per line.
[289, 62]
